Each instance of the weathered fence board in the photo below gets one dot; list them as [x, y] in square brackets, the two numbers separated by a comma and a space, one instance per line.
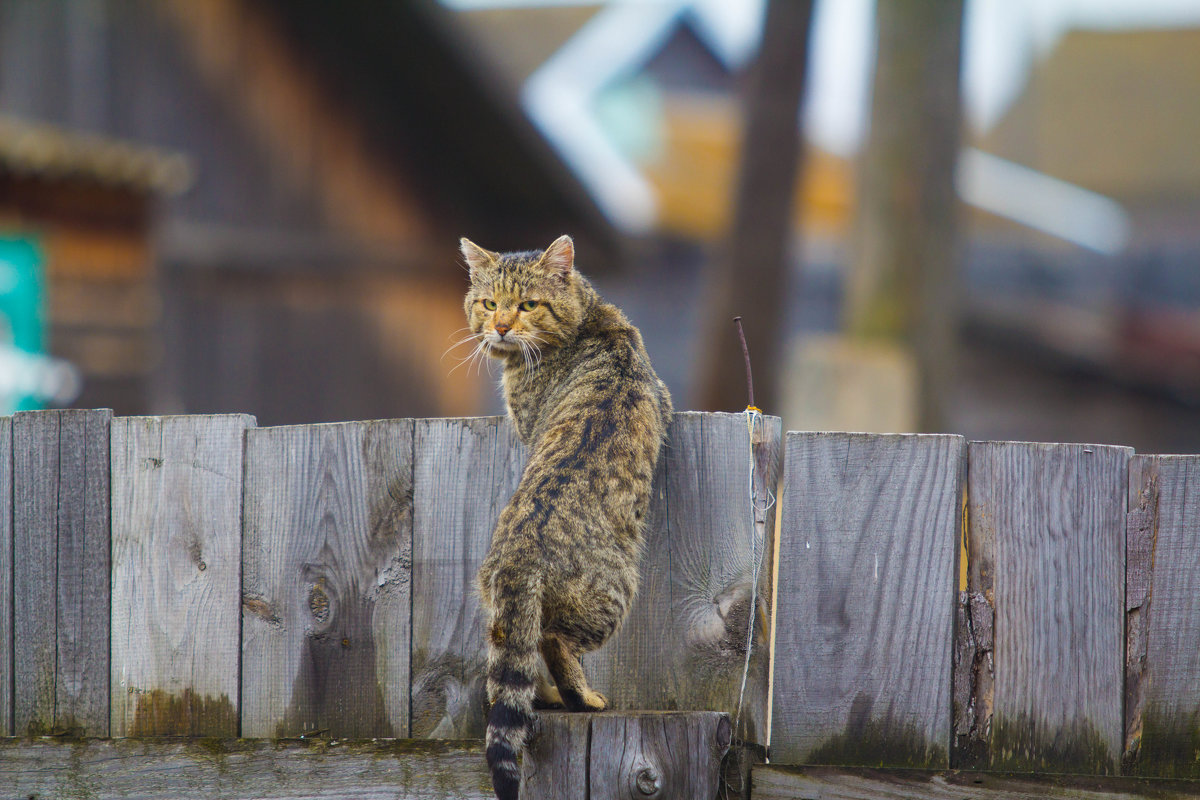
[327, 562]
[865, 599]
[684, 644]
[1162, 690]
[667, 755]
[834, 783]
[464, 473]
[1047, 531]
[61, 571]
[176, 574]
[6, 577]
[236, 769]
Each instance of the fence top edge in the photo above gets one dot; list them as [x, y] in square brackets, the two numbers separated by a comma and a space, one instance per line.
[136, 418]
[870, 435]
[1082, 446]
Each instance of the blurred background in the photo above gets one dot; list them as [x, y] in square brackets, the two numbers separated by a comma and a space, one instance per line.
[972, 216]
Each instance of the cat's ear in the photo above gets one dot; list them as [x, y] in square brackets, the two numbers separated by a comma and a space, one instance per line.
[559, 258]
[477, 258]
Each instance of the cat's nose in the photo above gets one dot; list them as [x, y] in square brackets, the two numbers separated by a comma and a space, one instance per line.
[501, 328]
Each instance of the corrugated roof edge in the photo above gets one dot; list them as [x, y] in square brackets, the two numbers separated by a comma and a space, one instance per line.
[46, 151]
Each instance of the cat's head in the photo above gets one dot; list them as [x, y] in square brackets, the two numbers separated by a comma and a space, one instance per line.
[523, 304]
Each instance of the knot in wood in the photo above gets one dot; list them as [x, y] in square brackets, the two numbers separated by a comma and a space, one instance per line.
[648, 782]
[318, 603]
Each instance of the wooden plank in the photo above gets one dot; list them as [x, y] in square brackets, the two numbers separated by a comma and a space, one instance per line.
[1162, 688]
[6, 577]
[1050, 519]
[327, 560]
[234, 769]
[465, 471]
[176, 574]
[684, 644]
[556, 761]
[865, 599]
[840, 783]
[61, 549]
[613, 756]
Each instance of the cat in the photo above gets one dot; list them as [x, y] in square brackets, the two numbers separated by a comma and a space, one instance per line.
[562, 569]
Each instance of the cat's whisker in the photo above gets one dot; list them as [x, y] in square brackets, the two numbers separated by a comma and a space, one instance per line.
[459, 343]
[477, 353]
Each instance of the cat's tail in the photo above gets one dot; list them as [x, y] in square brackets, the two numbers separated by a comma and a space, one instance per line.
[512, 674]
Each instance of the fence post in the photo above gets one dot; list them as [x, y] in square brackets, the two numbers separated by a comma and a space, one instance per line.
[1046, 549]
[176, 574]
[61, 572]
[865, 599]
[1162, 597]
[326, 580]
[623, 755]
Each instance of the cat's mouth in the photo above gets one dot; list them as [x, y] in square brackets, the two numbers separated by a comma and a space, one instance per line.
[501, 345]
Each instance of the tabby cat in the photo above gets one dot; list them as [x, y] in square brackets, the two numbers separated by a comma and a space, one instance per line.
[562, 570]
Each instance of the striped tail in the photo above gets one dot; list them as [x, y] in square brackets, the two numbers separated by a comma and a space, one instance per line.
[512, 675]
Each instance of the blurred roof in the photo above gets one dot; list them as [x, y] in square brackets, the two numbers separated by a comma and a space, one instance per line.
[44, 151]
[457, 128]
[1112, 111]
[519, 40]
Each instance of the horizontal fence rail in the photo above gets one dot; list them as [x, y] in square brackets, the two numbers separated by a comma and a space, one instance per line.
[928, 603]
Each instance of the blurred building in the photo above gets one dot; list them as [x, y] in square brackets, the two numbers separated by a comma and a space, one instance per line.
[80, 210]
[339, 151]
[1108, 111]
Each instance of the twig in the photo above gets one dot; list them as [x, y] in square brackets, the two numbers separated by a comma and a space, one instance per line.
[746, 355]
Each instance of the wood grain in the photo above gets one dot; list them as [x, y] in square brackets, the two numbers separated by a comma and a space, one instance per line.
[834, 783]
[61, 548]
[6, 577]
[464, 473]
[176, 574]
[684, 644]
[1050, 519]
[866, 597]
[326, 580]
[614, 756]
[1162, 700]
[235, 769]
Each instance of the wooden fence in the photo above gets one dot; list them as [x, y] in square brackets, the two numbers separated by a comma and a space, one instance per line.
[934, 603]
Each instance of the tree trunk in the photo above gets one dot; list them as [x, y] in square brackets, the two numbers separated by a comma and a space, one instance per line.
[903, 280]
[750, 277]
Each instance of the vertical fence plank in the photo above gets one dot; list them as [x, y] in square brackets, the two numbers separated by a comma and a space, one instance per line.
[1162, 700]
[327, 560]
[465, 472]
[1050, 519]
[684, 644]
[61, 548]
[176, 574]
[6, 576]
[865, 599]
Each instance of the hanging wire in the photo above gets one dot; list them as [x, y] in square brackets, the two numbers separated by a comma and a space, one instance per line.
[760, 506]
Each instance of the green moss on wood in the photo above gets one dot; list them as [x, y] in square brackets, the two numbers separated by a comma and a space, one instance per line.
[880, 742]
[160, 713]
[1021, 745]
[1169, 746]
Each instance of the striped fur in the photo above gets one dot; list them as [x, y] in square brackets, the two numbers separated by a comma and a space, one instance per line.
[562, 570]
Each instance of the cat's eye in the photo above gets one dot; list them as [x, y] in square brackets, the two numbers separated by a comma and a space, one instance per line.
[528, 305]
[490, 305]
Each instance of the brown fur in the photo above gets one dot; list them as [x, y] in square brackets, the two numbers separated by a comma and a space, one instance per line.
[562, 570]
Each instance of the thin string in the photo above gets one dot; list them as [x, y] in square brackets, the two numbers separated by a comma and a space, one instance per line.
[759, 507]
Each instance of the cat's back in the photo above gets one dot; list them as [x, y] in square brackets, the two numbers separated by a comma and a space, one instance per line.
[607, 377]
